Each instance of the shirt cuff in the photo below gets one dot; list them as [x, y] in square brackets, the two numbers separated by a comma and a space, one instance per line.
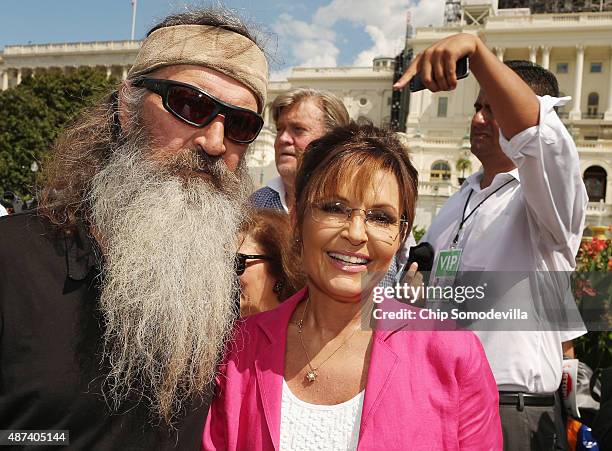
[547, 128]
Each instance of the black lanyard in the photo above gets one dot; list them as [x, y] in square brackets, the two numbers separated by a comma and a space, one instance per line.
[465, 218]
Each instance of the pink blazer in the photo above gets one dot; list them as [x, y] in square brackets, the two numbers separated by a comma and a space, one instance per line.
[426, 390]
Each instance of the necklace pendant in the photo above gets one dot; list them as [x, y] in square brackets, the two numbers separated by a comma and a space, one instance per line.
[311, 376]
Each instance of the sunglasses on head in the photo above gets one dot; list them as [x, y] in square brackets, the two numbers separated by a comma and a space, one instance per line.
[240, 262]
[198, 108]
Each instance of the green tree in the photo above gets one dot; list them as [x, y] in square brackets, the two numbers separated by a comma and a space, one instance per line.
[418, 233]
[463, 164]
[33, 114]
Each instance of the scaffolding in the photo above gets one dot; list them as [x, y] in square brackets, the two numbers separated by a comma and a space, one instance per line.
[476, 12]
[452, 12]
[400, 100]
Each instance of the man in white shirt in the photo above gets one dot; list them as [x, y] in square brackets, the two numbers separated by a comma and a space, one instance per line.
[522, 213]
[301, 115]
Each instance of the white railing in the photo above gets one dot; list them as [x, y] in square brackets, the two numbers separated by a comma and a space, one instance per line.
[566, 19]
[506, 20]
[71, 47]
[598, 146]
[513, 12]
[298, 72]
[436, 189]
[599, 209]
[441, 141]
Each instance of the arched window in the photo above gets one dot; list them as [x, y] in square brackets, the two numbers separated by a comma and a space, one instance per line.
[440, 171]
[592, 104]
[595, 179]
[363, 120]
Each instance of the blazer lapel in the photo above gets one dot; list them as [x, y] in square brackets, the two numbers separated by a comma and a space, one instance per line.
[383, 363]
[270, 367]
[270, 384]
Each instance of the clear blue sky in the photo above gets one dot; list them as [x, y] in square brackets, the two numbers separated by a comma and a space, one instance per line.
[307, 32]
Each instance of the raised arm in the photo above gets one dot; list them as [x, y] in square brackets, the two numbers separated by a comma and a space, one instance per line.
[514, 104]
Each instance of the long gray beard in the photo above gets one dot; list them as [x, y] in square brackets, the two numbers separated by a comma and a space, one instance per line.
[167, 294]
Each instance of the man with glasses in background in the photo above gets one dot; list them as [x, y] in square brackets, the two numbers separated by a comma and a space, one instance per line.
[116, 294]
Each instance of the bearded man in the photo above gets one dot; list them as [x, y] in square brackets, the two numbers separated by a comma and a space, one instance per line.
[116, 296]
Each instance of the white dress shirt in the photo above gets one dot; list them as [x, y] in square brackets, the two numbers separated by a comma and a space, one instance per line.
[533, 224]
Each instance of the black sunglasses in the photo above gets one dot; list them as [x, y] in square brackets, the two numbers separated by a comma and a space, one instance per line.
[240, 261]
[199, 108]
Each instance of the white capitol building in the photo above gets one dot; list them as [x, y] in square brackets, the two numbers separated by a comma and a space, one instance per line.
[576, 47]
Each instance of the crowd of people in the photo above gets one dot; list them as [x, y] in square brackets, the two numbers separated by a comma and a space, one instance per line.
[153, 301]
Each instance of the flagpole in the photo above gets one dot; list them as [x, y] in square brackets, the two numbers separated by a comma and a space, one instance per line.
[134, 4]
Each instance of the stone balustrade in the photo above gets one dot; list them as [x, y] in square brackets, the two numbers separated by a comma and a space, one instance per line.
[443, 189]
[594, 146]
[599, 209]
[549, 20]
[71, 47]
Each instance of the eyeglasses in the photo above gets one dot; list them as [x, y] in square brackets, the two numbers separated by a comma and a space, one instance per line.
[198, 108]
[380, 224]
[240, 261]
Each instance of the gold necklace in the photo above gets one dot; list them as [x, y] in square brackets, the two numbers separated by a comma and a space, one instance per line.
[312, 374]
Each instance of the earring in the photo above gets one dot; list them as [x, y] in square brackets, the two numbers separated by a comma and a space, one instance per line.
[278, 286]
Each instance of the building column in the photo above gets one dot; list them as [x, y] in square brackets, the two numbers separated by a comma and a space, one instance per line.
[545, 57]
[124, 72]
[533, 52]
[267, 114]
[499, 51]
[414, 112]
[413, 108]
[18, 76]
[577, 95]
[608, 113]
[108, 72]
[4, 80]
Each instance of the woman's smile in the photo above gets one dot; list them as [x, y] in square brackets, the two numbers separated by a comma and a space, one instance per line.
[349, 261]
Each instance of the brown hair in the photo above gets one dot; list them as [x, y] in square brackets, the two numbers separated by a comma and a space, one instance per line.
[334, 111]
[354, 152]
[541, 81]
[271, 229]
[77, 155]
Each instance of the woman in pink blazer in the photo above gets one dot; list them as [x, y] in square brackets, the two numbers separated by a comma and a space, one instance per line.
[308, 375]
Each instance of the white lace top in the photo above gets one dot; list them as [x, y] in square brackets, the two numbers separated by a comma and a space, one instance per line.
[306, 426]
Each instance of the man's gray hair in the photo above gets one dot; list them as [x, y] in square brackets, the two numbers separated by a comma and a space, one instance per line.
[334, 111]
